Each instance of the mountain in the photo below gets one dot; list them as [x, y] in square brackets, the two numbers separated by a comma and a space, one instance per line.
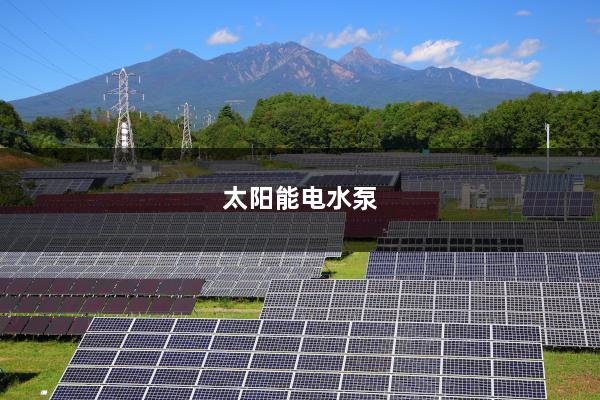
[264, 70]
[358, 60]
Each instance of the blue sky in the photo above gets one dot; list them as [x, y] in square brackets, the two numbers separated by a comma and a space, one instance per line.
[48, 44]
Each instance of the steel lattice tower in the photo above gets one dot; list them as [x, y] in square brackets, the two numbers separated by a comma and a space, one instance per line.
[186, 140]
[124, 151]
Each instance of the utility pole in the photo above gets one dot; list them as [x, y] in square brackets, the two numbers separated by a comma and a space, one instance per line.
[124, 150]
[186, 140]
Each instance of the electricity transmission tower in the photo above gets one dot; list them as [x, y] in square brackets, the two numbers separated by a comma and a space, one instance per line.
[186, 140]
[124, 151]
[209, 119]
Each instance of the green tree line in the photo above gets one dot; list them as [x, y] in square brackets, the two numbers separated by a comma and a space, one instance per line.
[288, 121]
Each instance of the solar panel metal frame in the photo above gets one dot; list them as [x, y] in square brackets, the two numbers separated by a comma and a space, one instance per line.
[230, 339]
[567, 312]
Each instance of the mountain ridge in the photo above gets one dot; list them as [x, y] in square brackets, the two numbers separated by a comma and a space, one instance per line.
[263, 70]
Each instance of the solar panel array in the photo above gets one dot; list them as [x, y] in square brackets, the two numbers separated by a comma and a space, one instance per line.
[290, 177]
[197, 188]
[107, 178]
[568, 313]
[535, 267]
[142, 359]
[236, 253]
[38, 325]
[553, 204]
[56, 186]
[491, 236]
[552, 182]
[499, 186]
[108, 305]
[382, 160]
[304, 225]
[351, 180]
[233, 274]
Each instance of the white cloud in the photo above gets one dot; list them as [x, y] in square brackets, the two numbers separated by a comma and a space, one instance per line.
[528, 47]
[497, 49]
[436, 52]
[258, 22]
[349, 37]
[499, 68]
[523, 13]
[309, 39]
[222, 36]
[594, 23]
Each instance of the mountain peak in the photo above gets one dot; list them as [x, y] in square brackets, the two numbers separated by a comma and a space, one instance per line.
[357, 55]
[178, 55]
[360, 61]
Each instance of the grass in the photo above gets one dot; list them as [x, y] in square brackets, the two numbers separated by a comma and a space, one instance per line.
[276, 164]
[228, 308]
[451, 212]
[572, 375]
[13, 160]
[351, 266]
[33, 366]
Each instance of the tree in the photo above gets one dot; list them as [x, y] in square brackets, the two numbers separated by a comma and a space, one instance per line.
[83, 129]
[57, 127]
[10, 120]
[11, 191]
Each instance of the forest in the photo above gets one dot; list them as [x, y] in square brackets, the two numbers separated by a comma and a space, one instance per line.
[289, 122]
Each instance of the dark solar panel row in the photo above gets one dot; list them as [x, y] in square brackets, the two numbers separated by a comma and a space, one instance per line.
[468, 236]
[376, 180]
[43, 325]
[99, 287]
[552, 182]
[36, 187]
[558, 204]
[240, 177]
[96, 305]
[499, 186]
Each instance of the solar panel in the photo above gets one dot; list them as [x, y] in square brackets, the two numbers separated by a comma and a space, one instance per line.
[552, 182]
[499, 186]
[79, 326]
[558, 204]
[236, 274]
[36, 187]
[484, 236]
[381, 160]
[541, 267]
[16, 324]
[567, 312]
[254, 359]
[59, 326]
[333, 179]
[36, 326]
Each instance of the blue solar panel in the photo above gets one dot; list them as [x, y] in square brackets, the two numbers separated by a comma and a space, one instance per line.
[349, 360]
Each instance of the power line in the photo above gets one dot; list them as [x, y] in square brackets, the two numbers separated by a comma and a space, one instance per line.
[52, 38]
[49, 67]
[38, 53]
[25, 83]
[77, 32]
